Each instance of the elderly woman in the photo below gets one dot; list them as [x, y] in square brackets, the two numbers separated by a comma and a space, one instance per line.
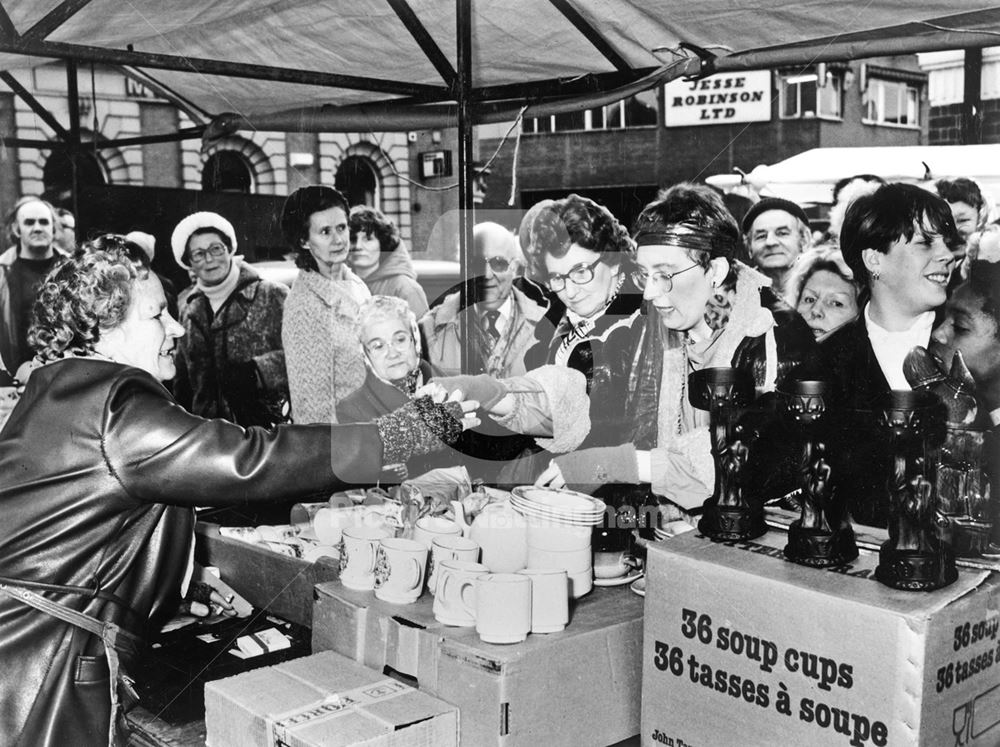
[824, 291]
[899, 243]
[102, 470]
[580, 252]
[325, 362]
[380, 258]
[687, 249]
[230, 363]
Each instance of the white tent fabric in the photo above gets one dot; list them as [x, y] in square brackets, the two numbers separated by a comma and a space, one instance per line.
[808, 178]
[219, 55]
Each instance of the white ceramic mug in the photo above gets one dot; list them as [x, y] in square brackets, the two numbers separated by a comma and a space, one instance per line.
[428, 528]
[357, 556]
[329, 523]
[449, 547]
[571, 561]
[301, 514]
[549, 599]
[455, 601]
[503, 607]
[399, 570]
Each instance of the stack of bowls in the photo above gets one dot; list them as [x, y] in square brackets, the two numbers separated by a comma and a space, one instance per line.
[560, 523]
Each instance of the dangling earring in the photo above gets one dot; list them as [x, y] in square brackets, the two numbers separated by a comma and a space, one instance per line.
[875, 276]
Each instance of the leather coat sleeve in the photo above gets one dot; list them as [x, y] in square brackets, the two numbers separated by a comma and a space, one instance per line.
[161, 453]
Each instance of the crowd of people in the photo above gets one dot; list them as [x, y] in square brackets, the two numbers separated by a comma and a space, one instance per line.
[563, 359]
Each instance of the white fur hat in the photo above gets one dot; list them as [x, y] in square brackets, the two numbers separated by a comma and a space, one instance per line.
[195, 222]
[143, 240]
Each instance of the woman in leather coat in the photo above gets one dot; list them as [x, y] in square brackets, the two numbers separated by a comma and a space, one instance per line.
[703, 309]
[101, 473]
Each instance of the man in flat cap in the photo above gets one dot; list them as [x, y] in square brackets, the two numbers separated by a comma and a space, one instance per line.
[776, 232]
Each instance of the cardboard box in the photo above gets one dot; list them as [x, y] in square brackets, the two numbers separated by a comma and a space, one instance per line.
[276, 583]
[323, 700]
[579, 686]
[744, 647]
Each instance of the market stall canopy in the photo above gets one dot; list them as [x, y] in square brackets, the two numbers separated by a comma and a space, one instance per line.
[808, 178]
[381, 64]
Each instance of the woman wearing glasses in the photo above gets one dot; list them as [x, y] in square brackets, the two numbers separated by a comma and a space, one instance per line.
[320, 332]
[580, 252]
[230, 362]
[704, 310]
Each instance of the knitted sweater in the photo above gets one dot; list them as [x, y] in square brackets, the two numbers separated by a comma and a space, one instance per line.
[323, 356]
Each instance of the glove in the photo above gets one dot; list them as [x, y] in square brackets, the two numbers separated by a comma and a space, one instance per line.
[587, 469]
[418, 427]
[482, 388]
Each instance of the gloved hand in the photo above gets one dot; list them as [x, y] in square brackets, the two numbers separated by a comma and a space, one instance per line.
[482, 387]
[588, 469]
[419, 427]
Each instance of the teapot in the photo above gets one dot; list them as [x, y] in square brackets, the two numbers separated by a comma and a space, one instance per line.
[500, 531]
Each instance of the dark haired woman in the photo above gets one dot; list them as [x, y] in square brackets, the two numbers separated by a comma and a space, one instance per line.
[324, 359]
[101, 472]
[380, 258]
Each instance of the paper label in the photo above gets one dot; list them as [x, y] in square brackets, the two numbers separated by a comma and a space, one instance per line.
[281, 726]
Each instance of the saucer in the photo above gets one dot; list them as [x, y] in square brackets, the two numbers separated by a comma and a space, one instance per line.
[639, 587]
[619, 580]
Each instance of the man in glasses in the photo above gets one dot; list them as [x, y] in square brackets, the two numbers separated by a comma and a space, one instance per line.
[500, 318]
[230, 362]
[32, 227]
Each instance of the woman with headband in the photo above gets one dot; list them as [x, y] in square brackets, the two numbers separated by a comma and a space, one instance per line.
[703, 310]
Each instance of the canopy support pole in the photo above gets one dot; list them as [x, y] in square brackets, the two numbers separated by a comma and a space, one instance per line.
[972, 105]
[73, 97]
[463, 86]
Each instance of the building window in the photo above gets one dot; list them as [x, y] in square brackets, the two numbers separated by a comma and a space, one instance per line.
[892, 102]
[636, 111]
[227, 171]
[802, 96]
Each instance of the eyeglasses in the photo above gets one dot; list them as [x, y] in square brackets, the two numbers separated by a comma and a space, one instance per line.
[379, 348]
[214, 250]
[663, 282]
[497, 264]
[580, 275]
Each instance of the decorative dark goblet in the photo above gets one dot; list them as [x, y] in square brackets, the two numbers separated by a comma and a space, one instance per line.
[728, 515]
[913, 558]
[822, 536]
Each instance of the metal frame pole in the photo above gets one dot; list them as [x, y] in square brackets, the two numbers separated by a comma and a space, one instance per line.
[466, 219]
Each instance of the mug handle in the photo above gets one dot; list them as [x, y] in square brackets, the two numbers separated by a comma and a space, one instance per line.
[415, 582]
[467, 594]
[372, 554]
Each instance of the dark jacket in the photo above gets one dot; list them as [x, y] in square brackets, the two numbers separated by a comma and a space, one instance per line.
[230, 363]
[605, 356]
[101, 472]
[858, 457]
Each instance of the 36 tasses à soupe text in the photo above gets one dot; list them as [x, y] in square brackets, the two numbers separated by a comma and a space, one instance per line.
[827, 673]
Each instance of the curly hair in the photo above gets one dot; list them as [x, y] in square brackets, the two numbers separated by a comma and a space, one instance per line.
[386, 308]
[86, 294]
[296, 212]
[371, 222]
[554, 228]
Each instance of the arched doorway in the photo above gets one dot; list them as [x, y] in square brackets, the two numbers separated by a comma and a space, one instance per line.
[58, 174]
[357, 181]
[227, 171]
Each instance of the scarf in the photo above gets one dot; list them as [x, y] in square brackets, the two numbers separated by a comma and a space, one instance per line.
[217, 294]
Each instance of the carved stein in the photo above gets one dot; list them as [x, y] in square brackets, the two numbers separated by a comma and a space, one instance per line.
[822, 536]
[913, 558]
[728, 513]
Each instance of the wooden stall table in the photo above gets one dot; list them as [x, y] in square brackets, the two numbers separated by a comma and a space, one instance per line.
[579, 686]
